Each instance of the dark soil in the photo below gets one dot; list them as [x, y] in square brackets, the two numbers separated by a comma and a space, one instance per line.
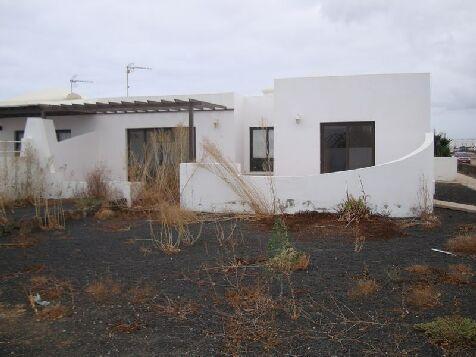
[216, 297]
[454, 192]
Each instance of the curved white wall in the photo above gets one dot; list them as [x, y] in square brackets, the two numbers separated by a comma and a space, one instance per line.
[396, 187]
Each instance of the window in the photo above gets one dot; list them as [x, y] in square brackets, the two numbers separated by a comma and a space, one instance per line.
[347, 146]
[152, 147]
[63, 134]
[261, 149]
[18, 136]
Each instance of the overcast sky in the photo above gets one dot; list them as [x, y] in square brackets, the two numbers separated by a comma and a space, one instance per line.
[220, 45]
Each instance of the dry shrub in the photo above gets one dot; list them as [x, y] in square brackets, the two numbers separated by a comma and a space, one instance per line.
[96, 184]
[22, 178]
[54, 312]
[123, 327]
[423, 296]
[104, 289]
[104, 214]
[180, 309]
[288, 260]
[460, 274]
[464, 244]
[225, 169]
[363, 288]
[354, 209]
[253, 321]
[141, 294]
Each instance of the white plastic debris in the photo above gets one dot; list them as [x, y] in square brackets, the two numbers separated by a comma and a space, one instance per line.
[39, 301]
[442, 251]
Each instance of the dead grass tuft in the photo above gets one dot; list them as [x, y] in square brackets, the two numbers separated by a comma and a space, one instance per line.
[104, 214]
[104, 289]
[464, 244]
[123, 327]
[180, 309]
[54, 312]
[423, 296]
[363, 288]
[460, 274]
[50, 288]
[419, 269]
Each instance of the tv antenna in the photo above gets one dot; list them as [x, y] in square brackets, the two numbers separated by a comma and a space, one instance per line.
[73, 81]
[129, 69]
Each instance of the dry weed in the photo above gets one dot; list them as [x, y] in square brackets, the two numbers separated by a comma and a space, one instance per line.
[50, 216]
[363, 288]
[96, 184]
[464, 244]
[423, 296]
[104, 289]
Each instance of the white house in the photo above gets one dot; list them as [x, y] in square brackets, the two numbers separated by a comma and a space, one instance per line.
[318, 138]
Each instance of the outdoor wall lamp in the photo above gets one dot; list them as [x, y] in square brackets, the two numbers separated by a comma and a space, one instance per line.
[298, 119]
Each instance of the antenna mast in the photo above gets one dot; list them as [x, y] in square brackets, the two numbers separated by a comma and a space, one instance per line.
[73, 81]
[129, 69]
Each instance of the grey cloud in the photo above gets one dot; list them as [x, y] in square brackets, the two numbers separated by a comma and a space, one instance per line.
[215, 45]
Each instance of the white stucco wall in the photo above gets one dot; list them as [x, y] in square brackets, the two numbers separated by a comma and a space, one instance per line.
[398, 103]
[446, 168]
[396, 187]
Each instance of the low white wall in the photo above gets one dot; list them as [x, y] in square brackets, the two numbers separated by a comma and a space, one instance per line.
[446, 168]
[399, 188]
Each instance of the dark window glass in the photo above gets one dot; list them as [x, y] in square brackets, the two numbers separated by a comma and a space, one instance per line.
[18, 136]
[63, 134]
[347, 146]
[150, 148]
[261, 149]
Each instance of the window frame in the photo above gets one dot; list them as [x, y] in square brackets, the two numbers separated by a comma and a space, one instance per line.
[252, 159]
[347, 124]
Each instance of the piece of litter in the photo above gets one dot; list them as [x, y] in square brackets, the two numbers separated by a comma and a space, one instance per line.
[39, 301]
[442, 251]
